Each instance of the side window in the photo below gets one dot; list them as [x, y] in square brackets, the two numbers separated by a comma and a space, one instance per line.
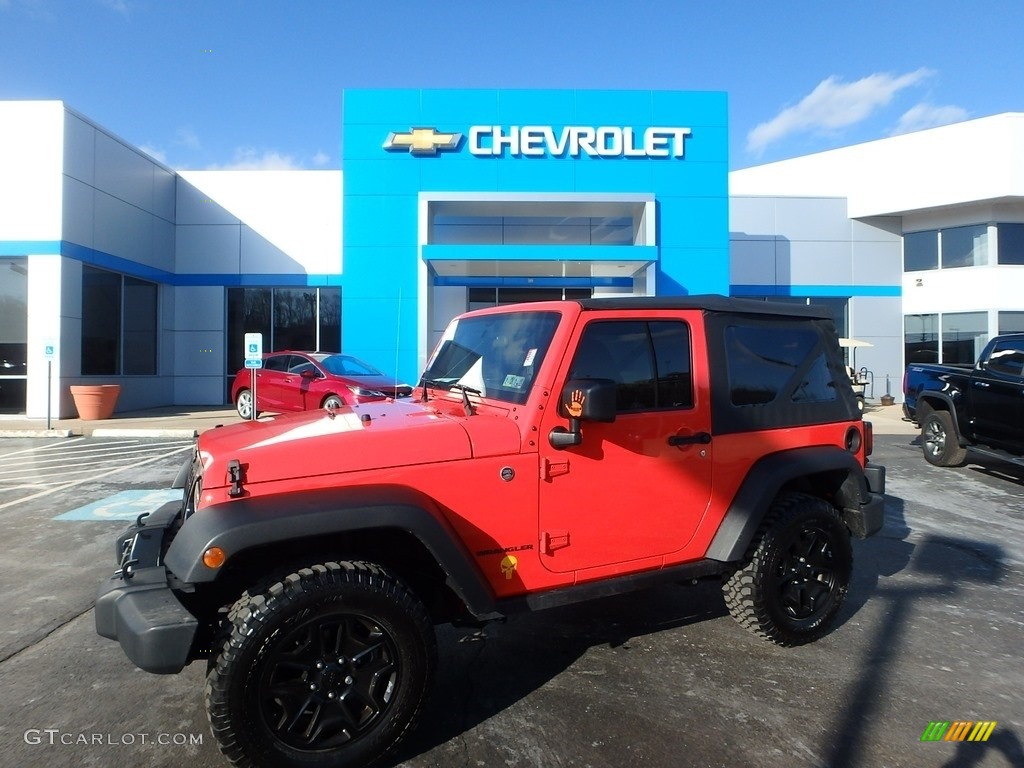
[672, 357]
[1008, 359]
[276, 363]
[298, 365]
[648, 361]
[769, 362]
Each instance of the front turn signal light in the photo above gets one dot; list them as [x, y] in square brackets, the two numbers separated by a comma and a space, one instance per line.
[214, 557]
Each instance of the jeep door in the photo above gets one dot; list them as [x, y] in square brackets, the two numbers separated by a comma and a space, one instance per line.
[635, 489]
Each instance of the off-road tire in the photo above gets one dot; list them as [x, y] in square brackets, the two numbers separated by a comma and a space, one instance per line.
[939, 441]
[245, 403]
[344, 652]
[796, 575]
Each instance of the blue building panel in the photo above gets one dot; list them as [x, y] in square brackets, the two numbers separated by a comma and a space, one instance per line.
[601, 107]
[528, 107]
[534, 175]
[521, 145]
[463, 107]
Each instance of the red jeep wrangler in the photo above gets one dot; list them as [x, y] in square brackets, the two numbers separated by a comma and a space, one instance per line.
[553, 452]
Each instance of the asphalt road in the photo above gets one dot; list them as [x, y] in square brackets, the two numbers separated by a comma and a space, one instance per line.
[932, 630]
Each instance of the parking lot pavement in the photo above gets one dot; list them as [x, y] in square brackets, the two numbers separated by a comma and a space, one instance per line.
[931, 631]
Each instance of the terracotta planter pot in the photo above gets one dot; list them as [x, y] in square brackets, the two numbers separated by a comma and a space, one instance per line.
[95, 402]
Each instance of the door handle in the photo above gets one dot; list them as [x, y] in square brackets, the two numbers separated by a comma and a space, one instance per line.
[701, 438]
[982, 384]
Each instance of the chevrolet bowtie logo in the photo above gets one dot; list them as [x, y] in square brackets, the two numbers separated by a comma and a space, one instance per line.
[423, 141]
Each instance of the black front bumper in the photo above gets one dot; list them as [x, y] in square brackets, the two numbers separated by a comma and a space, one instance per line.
[137, 607]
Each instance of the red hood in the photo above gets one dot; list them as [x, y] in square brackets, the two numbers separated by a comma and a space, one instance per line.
[369, 436]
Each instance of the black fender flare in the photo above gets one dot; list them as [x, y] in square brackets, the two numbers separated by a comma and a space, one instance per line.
[240, 525]
[763, 483]
[951, 405]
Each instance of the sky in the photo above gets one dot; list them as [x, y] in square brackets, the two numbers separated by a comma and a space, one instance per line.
[217, 84]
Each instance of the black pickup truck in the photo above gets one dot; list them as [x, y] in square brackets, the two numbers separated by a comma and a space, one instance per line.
[979, 407]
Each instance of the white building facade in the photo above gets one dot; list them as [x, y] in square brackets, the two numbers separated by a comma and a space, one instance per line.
[115, 268]
[954, 197]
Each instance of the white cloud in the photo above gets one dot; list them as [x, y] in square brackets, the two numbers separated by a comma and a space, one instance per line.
[925, 115]
[186, 137]
[250, 159]
[832, 105]
[321, 159]
[118, 6]
[153, 152]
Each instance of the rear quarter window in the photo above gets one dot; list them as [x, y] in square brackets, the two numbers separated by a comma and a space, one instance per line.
[765, 364]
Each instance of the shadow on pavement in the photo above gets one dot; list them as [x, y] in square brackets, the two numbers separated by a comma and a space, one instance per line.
[947, 563]
[484, 673]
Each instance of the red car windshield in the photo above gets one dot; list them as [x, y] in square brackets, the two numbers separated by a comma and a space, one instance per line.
[497, 355]
[346, 365]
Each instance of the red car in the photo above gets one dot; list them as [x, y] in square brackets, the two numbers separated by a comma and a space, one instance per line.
[300, 381]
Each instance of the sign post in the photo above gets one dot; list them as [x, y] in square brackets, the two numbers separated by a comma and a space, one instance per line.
[253, 361]
[49, 352]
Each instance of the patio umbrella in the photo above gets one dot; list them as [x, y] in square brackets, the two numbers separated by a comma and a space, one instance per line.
[853, 344]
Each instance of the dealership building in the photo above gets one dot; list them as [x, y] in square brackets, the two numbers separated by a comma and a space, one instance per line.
[115, 268]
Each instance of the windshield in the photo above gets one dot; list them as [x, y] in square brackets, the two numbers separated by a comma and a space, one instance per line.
[499, 354]
[346, 365]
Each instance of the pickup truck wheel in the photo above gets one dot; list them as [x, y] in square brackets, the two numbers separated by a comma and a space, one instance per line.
[244, 404]
[939, 441]
[797, 573]
[328, 667]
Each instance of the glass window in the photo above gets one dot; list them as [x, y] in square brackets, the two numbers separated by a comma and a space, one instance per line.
[330, 320]
[648, 361]
[964, 335]
[965, 246]
[248, 312]
[140, 310]
[672, 364]
[499, 355]
[101, 322]
[1011, 243]
[13, 334]
[920, 251]
[839, 306]
[288, 318]
[294, 318]
[921, 338]
[277, 363]
[1011, 322]
[1007, 358]
[766, 362]
[346, 365]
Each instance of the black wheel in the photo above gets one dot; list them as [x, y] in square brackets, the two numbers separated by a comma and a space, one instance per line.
[245, 403]
[796, 575]
[333, 402]
[328, 667]
[939, 441]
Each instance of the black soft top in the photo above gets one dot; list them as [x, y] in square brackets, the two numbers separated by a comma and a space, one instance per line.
[710, 303]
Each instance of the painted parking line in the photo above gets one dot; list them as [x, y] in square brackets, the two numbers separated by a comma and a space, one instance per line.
[126, 505]
[41, 466]
[99, 474]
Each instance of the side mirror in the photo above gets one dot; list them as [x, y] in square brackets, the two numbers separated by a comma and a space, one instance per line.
[308, 373]
[583, 400]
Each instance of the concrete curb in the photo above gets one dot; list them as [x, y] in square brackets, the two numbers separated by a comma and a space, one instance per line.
[36, 433]
[142, 432]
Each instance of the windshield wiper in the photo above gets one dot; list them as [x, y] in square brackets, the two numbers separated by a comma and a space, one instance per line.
[425, 382]
[466, 405]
